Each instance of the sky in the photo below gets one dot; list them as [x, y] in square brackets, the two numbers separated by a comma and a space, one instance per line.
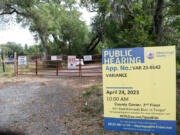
[15, 33]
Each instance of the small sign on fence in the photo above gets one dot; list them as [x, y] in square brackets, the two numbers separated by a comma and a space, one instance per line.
[79, 62]
[56, 58]
[87, 57]
[139, 86]
[22, 60]
[71, 61]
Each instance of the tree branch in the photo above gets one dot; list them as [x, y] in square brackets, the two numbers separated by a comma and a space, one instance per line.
[129, 11]
[19, 13]
[13, 10]
[92, 41]
[94, 46]
[7, 13]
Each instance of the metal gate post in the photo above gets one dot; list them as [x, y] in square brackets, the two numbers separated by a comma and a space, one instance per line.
[36, 65]
[57, 68]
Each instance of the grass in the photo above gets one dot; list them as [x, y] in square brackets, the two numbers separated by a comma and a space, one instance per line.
[7, 74]
[87, 117]
[178, 65]
[33, 115]
[9, 71]
[15, 121]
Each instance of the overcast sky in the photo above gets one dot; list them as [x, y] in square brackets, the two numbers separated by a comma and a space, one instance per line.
[18, 34]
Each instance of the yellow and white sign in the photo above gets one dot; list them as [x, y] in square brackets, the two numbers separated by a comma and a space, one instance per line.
[139, 86]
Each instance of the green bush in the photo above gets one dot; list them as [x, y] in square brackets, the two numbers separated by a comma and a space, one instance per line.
[178, 65]
[177, 76]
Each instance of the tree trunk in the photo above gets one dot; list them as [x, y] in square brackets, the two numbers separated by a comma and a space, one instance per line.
[70, 49]
[158, 19]
[94, 42]
[44, 44]
[60, 44]
[91, 43]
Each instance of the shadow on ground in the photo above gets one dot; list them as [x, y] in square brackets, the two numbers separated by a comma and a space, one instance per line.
[10, 133]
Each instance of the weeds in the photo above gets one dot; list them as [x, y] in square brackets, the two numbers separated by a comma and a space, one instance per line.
[178, 65]
[7, 74]
[15, 121]
[87, 119]
[87, 93]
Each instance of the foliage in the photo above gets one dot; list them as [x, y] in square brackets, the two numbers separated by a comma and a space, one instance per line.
[177, 69]
[10, 48]
[72, 31]
[128, 23]
[178, 65]
[33, 50]
[55, 22]
[123, 23]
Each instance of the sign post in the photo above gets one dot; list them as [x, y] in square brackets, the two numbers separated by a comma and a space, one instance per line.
[139, 88]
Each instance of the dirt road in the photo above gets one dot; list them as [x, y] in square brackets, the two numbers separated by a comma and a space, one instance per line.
[35, 107]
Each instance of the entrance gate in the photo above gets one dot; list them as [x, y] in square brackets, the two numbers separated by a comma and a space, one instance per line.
[89, 65]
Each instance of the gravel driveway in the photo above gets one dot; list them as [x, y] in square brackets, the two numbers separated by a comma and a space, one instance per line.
[35, 108]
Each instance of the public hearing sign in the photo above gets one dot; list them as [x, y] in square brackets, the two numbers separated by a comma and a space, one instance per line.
[139, 88]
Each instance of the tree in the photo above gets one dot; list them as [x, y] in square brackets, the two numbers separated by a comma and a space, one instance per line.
[34, 50]
[131, 23]
[69, 32]
[55, 22]
[10, 48]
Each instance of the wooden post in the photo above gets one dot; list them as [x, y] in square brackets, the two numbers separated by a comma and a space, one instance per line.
[2, 57]
[15, 63]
